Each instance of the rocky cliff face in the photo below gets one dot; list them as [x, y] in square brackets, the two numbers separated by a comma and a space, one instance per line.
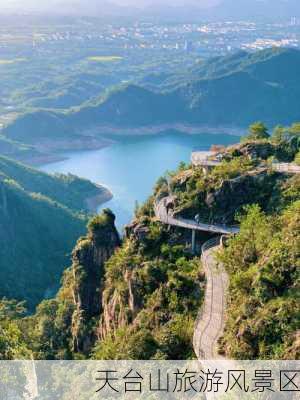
[233, 194]
[252, 150]
[119, 309]
[89, 257]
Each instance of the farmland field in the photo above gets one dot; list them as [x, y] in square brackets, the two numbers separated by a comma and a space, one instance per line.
[12, 61]
[105, 58]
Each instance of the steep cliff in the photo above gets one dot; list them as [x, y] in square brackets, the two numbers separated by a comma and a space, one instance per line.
[89, 257]
[66, 325]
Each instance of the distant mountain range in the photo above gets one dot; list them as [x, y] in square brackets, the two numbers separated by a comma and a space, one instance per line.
[210, 9]
[92, 8]
[229, 92]
[230, 10]
[256, 8]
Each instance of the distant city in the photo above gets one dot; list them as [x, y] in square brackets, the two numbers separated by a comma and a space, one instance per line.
[205, 39]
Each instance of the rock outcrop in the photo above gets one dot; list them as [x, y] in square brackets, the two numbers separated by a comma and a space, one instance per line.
[253, 150]
[137, 230]
[89, 257]
[221, 203]
[233, 194]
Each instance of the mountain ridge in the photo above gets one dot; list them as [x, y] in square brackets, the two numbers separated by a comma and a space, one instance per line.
[212, 10]
[229, 92]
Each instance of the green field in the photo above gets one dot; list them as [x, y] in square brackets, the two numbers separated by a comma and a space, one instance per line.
[105, 58]
[12, 61]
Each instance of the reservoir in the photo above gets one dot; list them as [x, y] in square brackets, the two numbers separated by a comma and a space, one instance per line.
[130, 167]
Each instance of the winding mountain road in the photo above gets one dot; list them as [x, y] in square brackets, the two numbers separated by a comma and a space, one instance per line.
[286, 167]
[200, 158]
[211, 319]
[210, 323]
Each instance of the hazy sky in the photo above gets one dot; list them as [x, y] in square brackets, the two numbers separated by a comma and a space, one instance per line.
[203, 3]
[136, 3]
[228, 8]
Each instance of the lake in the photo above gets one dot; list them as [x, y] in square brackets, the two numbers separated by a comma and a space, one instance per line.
[130, 167]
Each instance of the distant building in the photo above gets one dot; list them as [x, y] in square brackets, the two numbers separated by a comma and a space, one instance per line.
[188, 46]
[295, 21]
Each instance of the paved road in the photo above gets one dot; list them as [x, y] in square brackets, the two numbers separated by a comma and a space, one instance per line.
[211, 319]
[286, 167]
[201, 159]
[161, 213]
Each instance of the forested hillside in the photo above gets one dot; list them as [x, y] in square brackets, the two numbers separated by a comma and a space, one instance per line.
[67, 189]
[229, 91]
[41, 217]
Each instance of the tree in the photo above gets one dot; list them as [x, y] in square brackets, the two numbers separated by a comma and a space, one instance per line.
[279, 134]
[258, 131]
[12, 344]
[297, 158]
[295, 129]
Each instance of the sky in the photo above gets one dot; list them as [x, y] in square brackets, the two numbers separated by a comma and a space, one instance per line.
[228, 8]
[14, 4]
[135, 3]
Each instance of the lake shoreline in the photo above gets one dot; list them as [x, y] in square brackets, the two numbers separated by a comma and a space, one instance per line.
[152, 130]
[130, 168]
[55, 151]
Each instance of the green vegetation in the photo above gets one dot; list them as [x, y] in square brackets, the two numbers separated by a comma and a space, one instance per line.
[105, 58]
[66, 189]
[41, 219]
[150, 289]
[36, 236]
[12, 341]
[263, 262]
[139, 299]
[158, 299]
[257, 131]
[205, 95]
[12, 61]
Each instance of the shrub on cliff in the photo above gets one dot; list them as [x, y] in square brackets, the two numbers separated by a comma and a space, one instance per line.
[257, 131]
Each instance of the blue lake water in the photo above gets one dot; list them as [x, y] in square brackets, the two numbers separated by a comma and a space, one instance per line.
[130, 168]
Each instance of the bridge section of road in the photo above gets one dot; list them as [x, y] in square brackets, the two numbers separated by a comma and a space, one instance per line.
[163, 215]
